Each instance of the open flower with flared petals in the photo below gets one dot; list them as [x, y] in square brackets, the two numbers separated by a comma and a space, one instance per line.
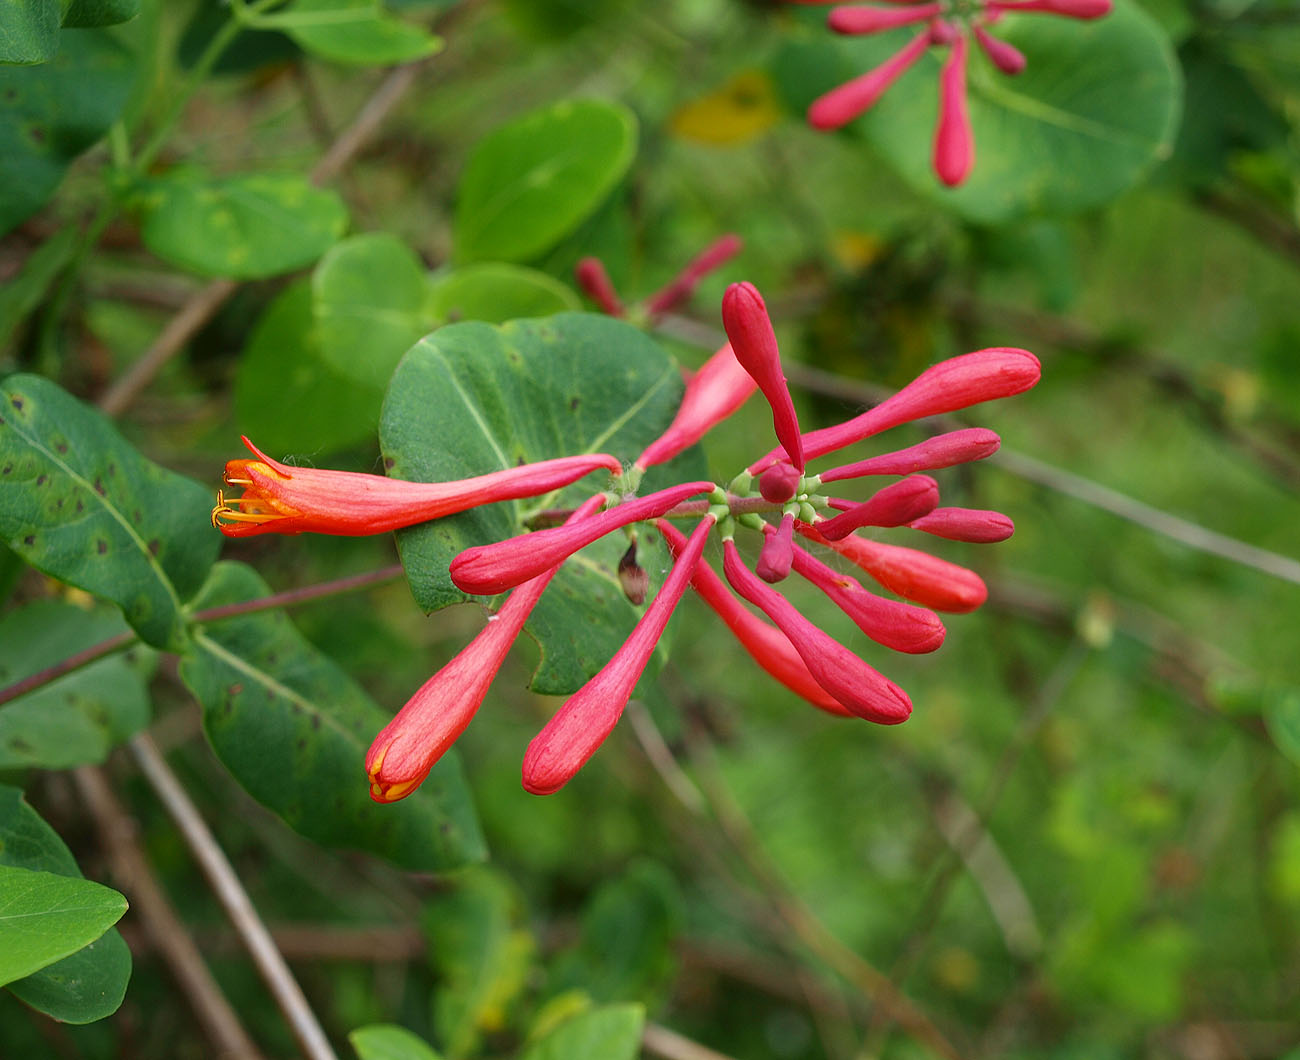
[280, 499]
[944, 24]
[589, 715]
[410, 745]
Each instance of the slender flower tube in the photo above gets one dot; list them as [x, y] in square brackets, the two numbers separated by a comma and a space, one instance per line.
[895, 505]
[744, 316]
[290, 500]
[712, 257]
[485, 570]
[913, 575]
[943, 450]
[571, 737]
[956, 383]
[1068, 8]
[713, 393]
[1007, 58]
[954, 141]
[778, 552]
[865, 692]
[902, 627]
[766, 644]
[857, 19]
[592, 278]
[976, 525]
[841, 105]
[411, 744]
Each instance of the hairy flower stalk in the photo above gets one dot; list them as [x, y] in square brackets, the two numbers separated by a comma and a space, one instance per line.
[766, 644]
[951, 24]
[863, 690]
[572, 736]
[486, 570]
[280, 499]
[410, 745]
[744, 316]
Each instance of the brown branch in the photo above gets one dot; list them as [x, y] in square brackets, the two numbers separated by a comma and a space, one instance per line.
[660, 1041]
[166, 932]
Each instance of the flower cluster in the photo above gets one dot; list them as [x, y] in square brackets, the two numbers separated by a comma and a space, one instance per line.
[777, 497]
[946, 24]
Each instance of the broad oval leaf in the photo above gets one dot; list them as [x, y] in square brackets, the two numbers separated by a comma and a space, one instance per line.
[369, 300]
[387, 1041]
[29, 31]
[293, 729]
[45, 917]
[288, 399]
[473, 398]
[245, 228]
[79, 717]
[54, 112]
[78, 502]
[495, 292]
[91, 983]
[532, 181]
[356, 32]
[610, 1032]
[85, 13]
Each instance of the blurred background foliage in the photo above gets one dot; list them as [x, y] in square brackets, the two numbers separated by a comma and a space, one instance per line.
[1086, 842]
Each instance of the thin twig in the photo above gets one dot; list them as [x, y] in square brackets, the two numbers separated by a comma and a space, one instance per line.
[73, 662]
[167, 933]
[234, 900]
[660, 1041]
[202, 306]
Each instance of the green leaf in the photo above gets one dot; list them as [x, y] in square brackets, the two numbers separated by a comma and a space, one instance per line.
[91, 983]
[45, 917]
[246, 227]
[387, 1041]
[1282, 718]
[531, 182]
[288, 399]
[86, 13]
[611, 1032]
[29, 30]
[79, 717]
[356, 31]
[628, 932]
[525, 391]
[53, 113]
[368, 297]
[78, 502]
[495, 292]
[23, 293]
[1096, 105]
[293, 729]
[482, 950]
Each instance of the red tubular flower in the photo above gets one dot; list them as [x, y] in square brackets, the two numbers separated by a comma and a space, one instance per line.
[292, 500]
[943, 450]
[956, 383]
[778, 552]
[895, 505]
[913, 575]
[485, 570]
[1069, 8]
[744, 316]
[858, 19]
[592, 278]
[841, 105]
[713, 393]
[410, 745]
[966, 524]
[590, 714]
[712, 257]
[902, 627]
[865, 692]
[767, 645]
[954, 142]
[1007, 58]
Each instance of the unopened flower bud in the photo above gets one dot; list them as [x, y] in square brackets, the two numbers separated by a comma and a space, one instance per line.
[633, 577]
